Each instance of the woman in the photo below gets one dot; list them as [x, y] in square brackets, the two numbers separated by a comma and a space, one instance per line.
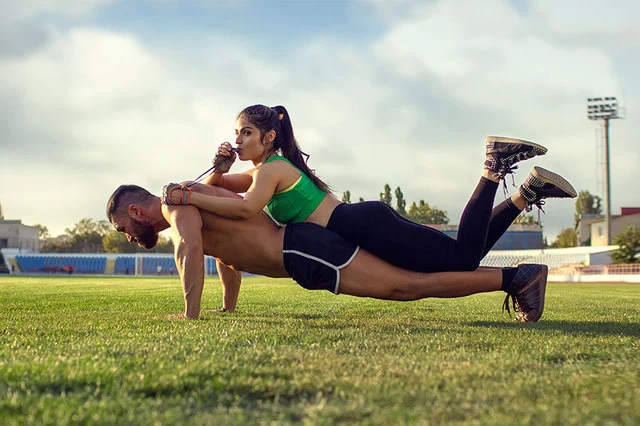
[282, 182]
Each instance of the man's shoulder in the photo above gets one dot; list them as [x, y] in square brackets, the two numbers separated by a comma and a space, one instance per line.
[214, 190]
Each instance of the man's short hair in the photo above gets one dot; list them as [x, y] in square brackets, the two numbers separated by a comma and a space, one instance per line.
[123, 196]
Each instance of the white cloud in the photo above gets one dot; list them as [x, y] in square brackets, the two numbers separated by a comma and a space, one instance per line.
[594, 18]
[528, 82]
[29, 9]
[481, 66]
[91, 109]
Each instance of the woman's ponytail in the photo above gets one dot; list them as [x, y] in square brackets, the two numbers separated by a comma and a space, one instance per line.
[277, 119]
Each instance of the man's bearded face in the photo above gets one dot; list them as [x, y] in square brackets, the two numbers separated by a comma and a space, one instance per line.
[143, 233]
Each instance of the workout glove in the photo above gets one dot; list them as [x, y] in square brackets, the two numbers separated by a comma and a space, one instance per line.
[183, 191]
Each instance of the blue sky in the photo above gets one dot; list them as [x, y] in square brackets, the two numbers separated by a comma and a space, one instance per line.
[96, 93]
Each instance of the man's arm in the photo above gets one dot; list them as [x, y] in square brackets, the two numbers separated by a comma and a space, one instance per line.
[230, 280]
[186, 232]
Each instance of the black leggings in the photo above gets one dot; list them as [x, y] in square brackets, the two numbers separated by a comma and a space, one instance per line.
[379, 229]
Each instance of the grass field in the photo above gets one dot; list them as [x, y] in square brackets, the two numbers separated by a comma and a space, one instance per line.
[99, 350]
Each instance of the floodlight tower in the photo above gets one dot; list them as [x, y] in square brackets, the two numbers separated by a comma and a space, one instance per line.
[605, 109]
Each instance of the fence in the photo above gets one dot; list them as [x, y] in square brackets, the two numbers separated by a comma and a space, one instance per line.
[596, 273]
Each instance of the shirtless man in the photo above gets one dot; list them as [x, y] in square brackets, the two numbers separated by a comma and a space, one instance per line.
[314, 257]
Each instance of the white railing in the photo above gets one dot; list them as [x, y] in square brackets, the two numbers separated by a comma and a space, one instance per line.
[613, 269]
[615, 273]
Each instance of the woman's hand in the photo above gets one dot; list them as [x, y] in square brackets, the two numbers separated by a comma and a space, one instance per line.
[224, 158]
[174, 193]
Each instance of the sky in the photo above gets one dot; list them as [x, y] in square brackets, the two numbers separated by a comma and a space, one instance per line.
[98, 93]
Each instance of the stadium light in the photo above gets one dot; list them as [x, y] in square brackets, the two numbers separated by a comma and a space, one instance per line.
[605, 109]
[602, 108]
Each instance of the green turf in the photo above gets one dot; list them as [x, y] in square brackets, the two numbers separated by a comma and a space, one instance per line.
[97, 350]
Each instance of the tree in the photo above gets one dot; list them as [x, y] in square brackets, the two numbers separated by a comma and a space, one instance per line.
[401, 203]
[346, 197]
[86, 235]
[526, 219]
[587, 204]
[424, 214]
[628, 242]
[361, 200]
[43, 231]
[117, 242]
[385, 196]
[1, 215]
[164, 245]
[566, 238]
[61, 244]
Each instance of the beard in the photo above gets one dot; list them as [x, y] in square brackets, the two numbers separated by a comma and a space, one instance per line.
[145, 235]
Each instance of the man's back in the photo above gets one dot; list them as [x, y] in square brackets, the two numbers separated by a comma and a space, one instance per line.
[253, 245]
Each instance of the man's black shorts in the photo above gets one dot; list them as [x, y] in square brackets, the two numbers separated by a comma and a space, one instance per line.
[313, 256]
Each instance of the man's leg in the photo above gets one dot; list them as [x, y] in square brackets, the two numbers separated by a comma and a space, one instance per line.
[368, 276]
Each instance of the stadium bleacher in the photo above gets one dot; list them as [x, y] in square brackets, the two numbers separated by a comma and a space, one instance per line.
[553, 258]
[62, 264]
[147, 264]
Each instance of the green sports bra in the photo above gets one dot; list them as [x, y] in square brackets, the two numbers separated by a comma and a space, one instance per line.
[297, 202]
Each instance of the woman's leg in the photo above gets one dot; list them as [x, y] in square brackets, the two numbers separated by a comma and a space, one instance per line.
[377, 228]
[474, 225]
[539, 185]
[502, 217]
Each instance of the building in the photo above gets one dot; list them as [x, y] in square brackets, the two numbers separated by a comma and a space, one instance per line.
[584, 227]
[15, 235]
[628, 216]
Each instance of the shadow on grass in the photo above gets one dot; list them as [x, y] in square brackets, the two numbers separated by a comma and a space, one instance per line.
[570, 327]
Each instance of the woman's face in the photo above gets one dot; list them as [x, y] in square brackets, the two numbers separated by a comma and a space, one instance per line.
[250, 146]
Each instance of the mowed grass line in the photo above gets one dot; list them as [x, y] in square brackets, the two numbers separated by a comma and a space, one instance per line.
[100, 350]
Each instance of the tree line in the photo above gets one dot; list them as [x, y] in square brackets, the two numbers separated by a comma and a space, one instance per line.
[420, 212]
[95, 236]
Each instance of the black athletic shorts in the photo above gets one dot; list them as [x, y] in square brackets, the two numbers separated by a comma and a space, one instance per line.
[313, 256]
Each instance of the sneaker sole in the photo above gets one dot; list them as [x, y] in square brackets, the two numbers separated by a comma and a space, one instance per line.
[541, 293]
[555, 179]
[503, 139]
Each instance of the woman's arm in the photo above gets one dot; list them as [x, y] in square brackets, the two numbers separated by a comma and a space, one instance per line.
[265, 182]
[236, 182]
[222, 162]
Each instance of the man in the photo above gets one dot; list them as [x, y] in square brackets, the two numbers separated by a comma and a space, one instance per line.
[313, 256]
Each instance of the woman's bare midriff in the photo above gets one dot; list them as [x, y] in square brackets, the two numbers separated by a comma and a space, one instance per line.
[322, 213]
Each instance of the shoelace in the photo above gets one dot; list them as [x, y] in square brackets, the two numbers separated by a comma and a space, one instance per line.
[510, 169]
[505, 304]
[502, 175]
[539, 205]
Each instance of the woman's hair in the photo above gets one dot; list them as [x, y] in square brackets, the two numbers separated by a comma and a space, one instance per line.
[277, 119]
